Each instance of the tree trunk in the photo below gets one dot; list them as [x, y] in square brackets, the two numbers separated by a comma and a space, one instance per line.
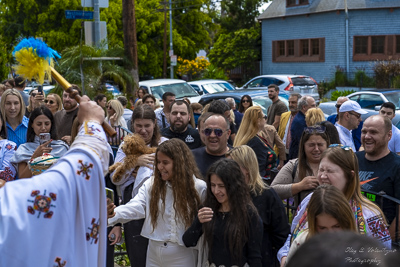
[130, 43]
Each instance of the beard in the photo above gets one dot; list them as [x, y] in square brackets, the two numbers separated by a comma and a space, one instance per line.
[178, 128]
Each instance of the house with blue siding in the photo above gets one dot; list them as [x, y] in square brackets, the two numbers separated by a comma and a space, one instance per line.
[313, 37]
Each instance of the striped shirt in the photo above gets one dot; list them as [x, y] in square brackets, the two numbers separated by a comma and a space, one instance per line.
[19, 134]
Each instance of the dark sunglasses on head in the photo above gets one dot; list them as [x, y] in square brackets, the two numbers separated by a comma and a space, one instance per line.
[315, 129]
[208, 131]
[49, 101]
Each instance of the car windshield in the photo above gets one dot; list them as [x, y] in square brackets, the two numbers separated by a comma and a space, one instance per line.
[394, 97]
[302, 81]
[179, 89]
[263, 102]
[212, 88]
[227, 86]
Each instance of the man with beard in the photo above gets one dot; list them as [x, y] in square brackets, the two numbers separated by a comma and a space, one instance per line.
[179, 121]
[215, 132]
[286, 123]
[65, 117]
[275, 111]
[379, 169]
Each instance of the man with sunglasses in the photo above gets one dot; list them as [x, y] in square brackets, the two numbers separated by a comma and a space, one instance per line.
[179, 121]
[334, 118]
[349, 119]
[216, 132]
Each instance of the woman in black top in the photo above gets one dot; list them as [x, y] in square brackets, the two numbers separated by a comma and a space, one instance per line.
[267, 202]
[230, 222]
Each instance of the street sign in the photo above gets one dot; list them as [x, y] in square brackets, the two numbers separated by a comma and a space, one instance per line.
[89, 32]
[173, 60]
[78, 14]
[90, 3]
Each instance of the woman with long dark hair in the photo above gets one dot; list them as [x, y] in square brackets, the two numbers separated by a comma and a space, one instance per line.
[40, 121]
[267, 202]
[168, 202]
[143, 123]
[245, 103]
[230, 222]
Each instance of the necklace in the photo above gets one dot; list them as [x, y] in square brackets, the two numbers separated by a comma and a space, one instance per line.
[223, 215]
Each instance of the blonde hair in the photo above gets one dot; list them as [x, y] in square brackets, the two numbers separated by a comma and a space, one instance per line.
[117, 106]
[348, 162]
[249, 126]
[247, 159]
[329, 200]
[58, 100]
[313, 116]
[232, 115]
[3, 104]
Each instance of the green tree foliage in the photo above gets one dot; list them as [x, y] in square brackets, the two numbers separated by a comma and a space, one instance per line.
[46, 18]
[95, 72]
[236, 48]
[39, 18]
[238, 42]
[3, 60]
[239, 14]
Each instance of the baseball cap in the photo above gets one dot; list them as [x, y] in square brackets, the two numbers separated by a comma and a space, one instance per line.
[351, 105]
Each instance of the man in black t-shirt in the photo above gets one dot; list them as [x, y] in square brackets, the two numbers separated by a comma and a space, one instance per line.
[179, 120]
[216, 134]
[379, 169]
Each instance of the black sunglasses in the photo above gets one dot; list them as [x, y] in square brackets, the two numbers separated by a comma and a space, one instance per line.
[338, 106]
[218, 132]
[33, 94]
[49, 101]
[244, 101]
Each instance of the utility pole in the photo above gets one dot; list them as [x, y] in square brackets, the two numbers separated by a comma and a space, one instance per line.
[96, 17]
[170, 37]
[165, 41]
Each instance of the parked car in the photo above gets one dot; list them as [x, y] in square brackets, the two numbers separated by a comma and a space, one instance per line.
[288, 84]
[211, 86]
[259, 97]
[180, 88]
[371, 101]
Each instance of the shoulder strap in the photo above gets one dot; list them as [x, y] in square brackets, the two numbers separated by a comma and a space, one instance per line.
[163, 120]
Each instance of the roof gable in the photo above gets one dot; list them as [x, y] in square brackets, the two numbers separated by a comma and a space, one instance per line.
[278, 7]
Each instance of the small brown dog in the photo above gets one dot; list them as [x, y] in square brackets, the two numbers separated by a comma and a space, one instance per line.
[133, 147]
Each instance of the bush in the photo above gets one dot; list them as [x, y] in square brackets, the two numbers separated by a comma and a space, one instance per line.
[387, 73]
[335, 95]
[362, 80]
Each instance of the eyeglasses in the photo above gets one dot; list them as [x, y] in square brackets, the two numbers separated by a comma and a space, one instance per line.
[347, 148]
[355, 114]
[51, 102]
[218, 132]
[338, 106]
[33, 94]
[315, 129]
[245, 101]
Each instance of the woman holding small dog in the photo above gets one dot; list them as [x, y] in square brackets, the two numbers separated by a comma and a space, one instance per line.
[168, 202]
[144, 123]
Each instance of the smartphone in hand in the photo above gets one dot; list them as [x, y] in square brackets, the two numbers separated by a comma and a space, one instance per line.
[44, 137]
[40, 89]
[110, 194]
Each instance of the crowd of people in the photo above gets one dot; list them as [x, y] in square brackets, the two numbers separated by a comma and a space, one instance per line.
[206, 186]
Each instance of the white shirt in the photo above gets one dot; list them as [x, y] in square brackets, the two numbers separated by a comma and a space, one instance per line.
[345, 136]
[394, 143]
[169, 227]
